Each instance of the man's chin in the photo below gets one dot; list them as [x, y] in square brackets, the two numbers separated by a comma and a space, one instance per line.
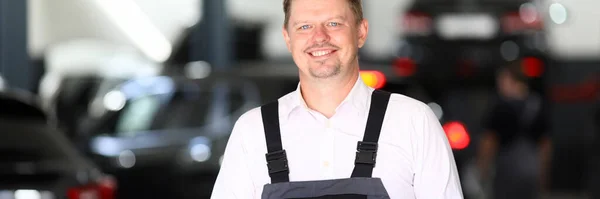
[325, 73]
[323, 76]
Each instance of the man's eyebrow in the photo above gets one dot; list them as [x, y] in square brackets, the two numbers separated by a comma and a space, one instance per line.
[336, 17]
[299, 22]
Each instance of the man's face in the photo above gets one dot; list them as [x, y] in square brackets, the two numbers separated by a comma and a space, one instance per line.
[323, 37]
[507, 85]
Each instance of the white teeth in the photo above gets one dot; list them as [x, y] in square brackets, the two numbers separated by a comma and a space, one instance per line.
[320, 53]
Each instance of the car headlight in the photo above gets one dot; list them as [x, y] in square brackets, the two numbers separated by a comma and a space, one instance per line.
[200, 149]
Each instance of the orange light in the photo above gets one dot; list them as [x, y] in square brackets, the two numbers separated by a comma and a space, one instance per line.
[457, 135]
[374, 79]
[532, 67]
[404, 67]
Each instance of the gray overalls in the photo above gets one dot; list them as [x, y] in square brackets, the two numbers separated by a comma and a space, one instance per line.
[359, 186]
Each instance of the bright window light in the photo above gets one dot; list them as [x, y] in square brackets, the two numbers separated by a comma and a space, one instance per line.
[128, 16]
[27, 194]
[558, 13]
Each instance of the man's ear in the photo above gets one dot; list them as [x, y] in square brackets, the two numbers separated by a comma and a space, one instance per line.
[363, 32]
[286, 36]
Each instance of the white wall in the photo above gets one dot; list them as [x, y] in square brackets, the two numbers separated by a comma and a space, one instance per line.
[60, 20]
[55, 21]
[384, 31]
[579, 36]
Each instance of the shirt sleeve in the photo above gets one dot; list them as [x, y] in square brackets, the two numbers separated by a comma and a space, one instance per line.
[234, 179]
[435, 170]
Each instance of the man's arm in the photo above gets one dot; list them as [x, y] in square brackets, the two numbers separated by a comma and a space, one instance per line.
[541, 129]
[488, 146]
[435, 170]
[234, 180]
[545, 158]
[489, 142]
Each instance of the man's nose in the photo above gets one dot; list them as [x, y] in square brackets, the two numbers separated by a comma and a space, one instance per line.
[321, 34]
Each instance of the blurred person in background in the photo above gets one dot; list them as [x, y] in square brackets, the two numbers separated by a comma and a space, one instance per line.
[516, 145]
[312, 136]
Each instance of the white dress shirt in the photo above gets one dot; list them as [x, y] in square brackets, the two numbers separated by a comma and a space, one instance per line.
[414, 159]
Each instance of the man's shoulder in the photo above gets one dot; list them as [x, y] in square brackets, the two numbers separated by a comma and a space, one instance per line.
[406, 104]
[254, 115]
[251, 116]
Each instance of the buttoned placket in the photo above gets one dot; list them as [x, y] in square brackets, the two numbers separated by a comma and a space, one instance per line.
[327, 144]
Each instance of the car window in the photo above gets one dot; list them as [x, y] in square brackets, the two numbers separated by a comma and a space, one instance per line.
[187, 109]
[139, 114]
[73, 97]
[236, 97]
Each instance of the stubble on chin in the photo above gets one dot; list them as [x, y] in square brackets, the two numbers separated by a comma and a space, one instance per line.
[324, 74]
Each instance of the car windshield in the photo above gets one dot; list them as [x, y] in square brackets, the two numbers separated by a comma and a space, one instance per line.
[163, 111]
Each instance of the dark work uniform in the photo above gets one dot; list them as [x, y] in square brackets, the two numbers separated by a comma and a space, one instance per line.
[519, 125]
[360, 185]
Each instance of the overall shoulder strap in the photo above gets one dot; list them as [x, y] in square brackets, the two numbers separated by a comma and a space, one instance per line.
[276, 156]
[367, 149]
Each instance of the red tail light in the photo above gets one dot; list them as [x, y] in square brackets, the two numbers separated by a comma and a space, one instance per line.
[374, 79]
[416, 23]
[404, 67]
[527, 18]
[457, 135]
[103, 189]
[532, 67]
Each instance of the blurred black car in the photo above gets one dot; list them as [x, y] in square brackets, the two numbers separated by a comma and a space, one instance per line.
[448, 43]
[71, 101]
[170, 129]
[38, 161]
[174, 123]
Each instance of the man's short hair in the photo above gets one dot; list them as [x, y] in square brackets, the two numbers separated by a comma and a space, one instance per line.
[355, 5]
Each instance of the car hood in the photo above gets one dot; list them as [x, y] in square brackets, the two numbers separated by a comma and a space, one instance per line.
[113, 145]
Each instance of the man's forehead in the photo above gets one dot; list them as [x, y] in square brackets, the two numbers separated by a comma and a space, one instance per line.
[325, 9]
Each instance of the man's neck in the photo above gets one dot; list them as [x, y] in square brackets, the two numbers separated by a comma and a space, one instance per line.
[325, 95]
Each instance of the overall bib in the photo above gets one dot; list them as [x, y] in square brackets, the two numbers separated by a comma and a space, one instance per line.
[359, 186]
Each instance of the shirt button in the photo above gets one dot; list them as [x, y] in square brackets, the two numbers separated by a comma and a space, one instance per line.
[326, 164]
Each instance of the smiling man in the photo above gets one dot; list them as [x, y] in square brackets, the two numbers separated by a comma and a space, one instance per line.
[335, 137]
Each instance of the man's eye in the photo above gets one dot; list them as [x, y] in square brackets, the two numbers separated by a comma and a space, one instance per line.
[334, 23]
[304, 27]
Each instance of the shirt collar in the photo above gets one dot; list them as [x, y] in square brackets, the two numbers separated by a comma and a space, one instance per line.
[356, 101]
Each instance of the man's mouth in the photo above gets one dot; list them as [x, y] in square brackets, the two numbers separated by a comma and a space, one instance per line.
[321, 53]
